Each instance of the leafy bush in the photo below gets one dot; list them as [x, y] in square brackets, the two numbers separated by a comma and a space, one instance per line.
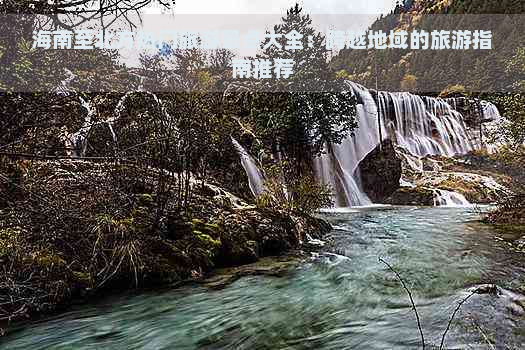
[509, 210]
[293, 193]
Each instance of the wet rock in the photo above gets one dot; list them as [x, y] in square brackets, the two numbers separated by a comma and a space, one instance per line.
[270, 266]
[496, 311]
[412, 196]
[520, 242]
[486, 289]
[448, 174]
[249, 233]
[380, 172]
[238, 241]
[430, 164]
[513, 302]
[411, 165]
[476, 188]
[516, 309]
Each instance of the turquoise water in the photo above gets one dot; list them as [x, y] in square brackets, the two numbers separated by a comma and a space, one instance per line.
[340, 298]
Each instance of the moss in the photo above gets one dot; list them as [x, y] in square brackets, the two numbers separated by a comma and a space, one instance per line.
[47, 259]
[197, 222]
[9, 240]
[207, 240]
[145, 199]
[118, 245]
[84, 278]
[209, 229]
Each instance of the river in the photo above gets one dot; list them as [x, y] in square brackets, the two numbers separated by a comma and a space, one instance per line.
[340, 298]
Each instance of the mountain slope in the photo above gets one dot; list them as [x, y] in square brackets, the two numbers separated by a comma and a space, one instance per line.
[431, 71]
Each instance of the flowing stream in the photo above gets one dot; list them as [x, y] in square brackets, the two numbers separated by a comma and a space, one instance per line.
[340, 298]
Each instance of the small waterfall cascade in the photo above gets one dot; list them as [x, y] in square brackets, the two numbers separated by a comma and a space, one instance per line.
[490, 111]
[77, 142]
[338, 166]
[255, 178]
[420, 124]
[450, 199]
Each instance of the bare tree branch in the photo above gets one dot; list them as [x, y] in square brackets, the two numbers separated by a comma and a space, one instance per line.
[452, 318]
[411, 300]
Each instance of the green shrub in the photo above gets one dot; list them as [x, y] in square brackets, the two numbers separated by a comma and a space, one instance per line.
[293, 193]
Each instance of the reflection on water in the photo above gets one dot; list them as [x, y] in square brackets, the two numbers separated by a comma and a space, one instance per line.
[344, 298]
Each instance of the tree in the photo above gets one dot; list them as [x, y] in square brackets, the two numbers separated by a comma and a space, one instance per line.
[511, 104]
[314, 107]
[69, 14]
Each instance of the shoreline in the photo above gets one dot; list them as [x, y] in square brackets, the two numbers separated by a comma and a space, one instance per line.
[61, 254]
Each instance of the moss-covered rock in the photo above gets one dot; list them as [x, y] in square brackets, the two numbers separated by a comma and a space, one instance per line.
[476, 188]
[418, 195]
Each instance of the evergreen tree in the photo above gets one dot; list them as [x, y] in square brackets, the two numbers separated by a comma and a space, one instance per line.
[315, 107]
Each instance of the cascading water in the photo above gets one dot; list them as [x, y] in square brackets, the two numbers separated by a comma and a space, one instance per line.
[338, 166]
[255, 178]
[422, 125]
[77, 142]
[450, 199]
[490, 111]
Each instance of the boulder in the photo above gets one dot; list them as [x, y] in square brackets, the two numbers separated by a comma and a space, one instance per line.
[476, 188]
[380, 172]
[417, 195]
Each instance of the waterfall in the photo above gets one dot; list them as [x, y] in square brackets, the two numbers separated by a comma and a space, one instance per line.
[449, 199]
[255, 178]
[420, 124]
[79, 139]
[77, 142]
[338, 166]
[490, 111]
[424, 125]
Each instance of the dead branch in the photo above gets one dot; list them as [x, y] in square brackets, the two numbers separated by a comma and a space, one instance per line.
[411, 300]
[452, 318]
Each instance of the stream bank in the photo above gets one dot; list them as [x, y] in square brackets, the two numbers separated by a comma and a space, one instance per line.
[74, 229]
[340, 297]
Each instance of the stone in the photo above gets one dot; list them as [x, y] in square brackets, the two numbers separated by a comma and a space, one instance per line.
[412, 196]
[380, 172]
[476, 188]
